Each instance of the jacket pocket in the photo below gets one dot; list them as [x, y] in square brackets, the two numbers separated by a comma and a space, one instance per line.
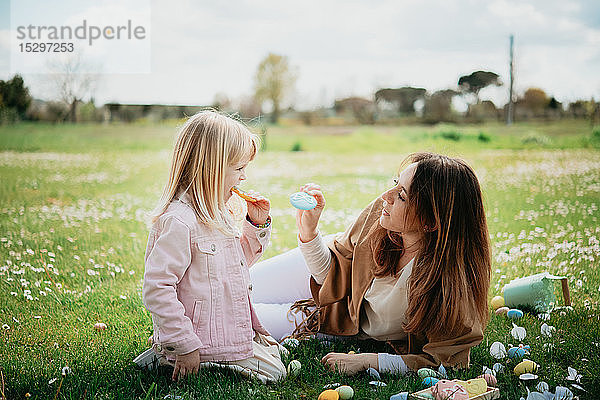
[212, 247]
[201, 322]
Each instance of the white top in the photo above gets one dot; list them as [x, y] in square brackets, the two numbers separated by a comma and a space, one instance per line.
[384, 305]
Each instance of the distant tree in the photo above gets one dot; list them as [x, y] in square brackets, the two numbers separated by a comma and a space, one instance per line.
[554, 104]
[482, 111]
[221, 102]
[274, 81]
[534, 99]
[363, 110]
[72, 83]
[14, 95]
[248, 107]
[402, 98]
[438, 106]
[478, 80]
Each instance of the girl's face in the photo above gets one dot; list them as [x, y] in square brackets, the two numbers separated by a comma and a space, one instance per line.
[234, 175]
[394, 215]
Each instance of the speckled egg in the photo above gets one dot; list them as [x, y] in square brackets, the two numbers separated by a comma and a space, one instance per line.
[497, 302]
[293, 368]
[489, 379]
[525, 366]
[514, 313]
[329, 394]
[345, 392]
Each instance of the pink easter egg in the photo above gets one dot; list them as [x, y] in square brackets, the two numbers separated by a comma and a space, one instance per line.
[449, 390]
[489, 379]
[99, 326]
[502, 310]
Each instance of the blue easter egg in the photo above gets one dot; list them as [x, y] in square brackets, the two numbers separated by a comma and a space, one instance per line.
[399, 396]
[516, 352]
[514, 313]
[303, 201]
[374, 373]
[430, 381]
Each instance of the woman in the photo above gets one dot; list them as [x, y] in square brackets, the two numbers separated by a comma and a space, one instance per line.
[413, 270]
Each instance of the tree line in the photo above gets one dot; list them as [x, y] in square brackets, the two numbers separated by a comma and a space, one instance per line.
[274, 86]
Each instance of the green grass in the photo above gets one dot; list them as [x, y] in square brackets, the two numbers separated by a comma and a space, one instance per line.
[73, 232]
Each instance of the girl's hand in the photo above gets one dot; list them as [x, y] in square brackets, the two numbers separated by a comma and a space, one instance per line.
[350, 364]
[258, 211]
[307, 221]
[186, 364]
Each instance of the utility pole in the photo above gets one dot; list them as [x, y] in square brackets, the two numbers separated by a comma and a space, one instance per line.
[509, 117]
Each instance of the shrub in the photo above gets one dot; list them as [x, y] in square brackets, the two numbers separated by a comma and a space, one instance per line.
[596, 134]
[8, 115]
[451, 135]
[297, 146]
[484, 137]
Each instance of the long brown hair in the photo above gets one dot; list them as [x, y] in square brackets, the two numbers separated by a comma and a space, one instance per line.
[453, 266]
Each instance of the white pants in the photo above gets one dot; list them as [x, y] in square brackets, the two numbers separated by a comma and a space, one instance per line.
[265, 365]
[277, 283]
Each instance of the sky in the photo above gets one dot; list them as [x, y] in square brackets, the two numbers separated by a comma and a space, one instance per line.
[337, 48]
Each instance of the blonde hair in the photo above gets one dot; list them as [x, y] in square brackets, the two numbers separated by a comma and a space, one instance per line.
[206, 145]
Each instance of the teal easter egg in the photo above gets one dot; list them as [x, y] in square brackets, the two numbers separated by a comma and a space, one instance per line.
[303, 201]
[427, 372]
[345, 391]
[430, 381]
[516, 352]
[514, 313]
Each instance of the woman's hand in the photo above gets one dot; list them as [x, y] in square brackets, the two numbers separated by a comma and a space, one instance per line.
[350, 364]
[186, 364]
[258, 211]
[307, 221]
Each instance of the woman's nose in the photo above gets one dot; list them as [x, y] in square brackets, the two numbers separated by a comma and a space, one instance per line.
[386, 197]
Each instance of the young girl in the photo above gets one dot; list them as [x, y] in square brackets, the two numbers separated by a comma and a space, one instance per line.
[196, 283]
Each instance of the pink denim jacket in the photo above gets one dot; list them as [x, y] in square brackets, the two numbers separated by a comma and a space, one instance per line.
[197, 286]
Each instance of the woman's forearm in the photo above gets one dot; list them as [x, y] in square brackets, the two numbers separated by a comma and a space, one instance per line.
[317, 256]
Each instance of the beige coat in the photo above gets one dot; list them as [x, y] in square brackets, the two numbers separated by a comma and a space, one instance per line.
[341, 295]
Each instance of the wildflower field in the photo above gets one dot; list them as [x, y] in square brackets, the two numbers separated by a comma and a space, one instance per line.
[73, 230]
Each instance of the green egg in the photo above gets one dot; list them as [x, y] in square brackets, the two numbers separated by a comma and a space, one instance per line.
[427, 372]
[345, 392]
